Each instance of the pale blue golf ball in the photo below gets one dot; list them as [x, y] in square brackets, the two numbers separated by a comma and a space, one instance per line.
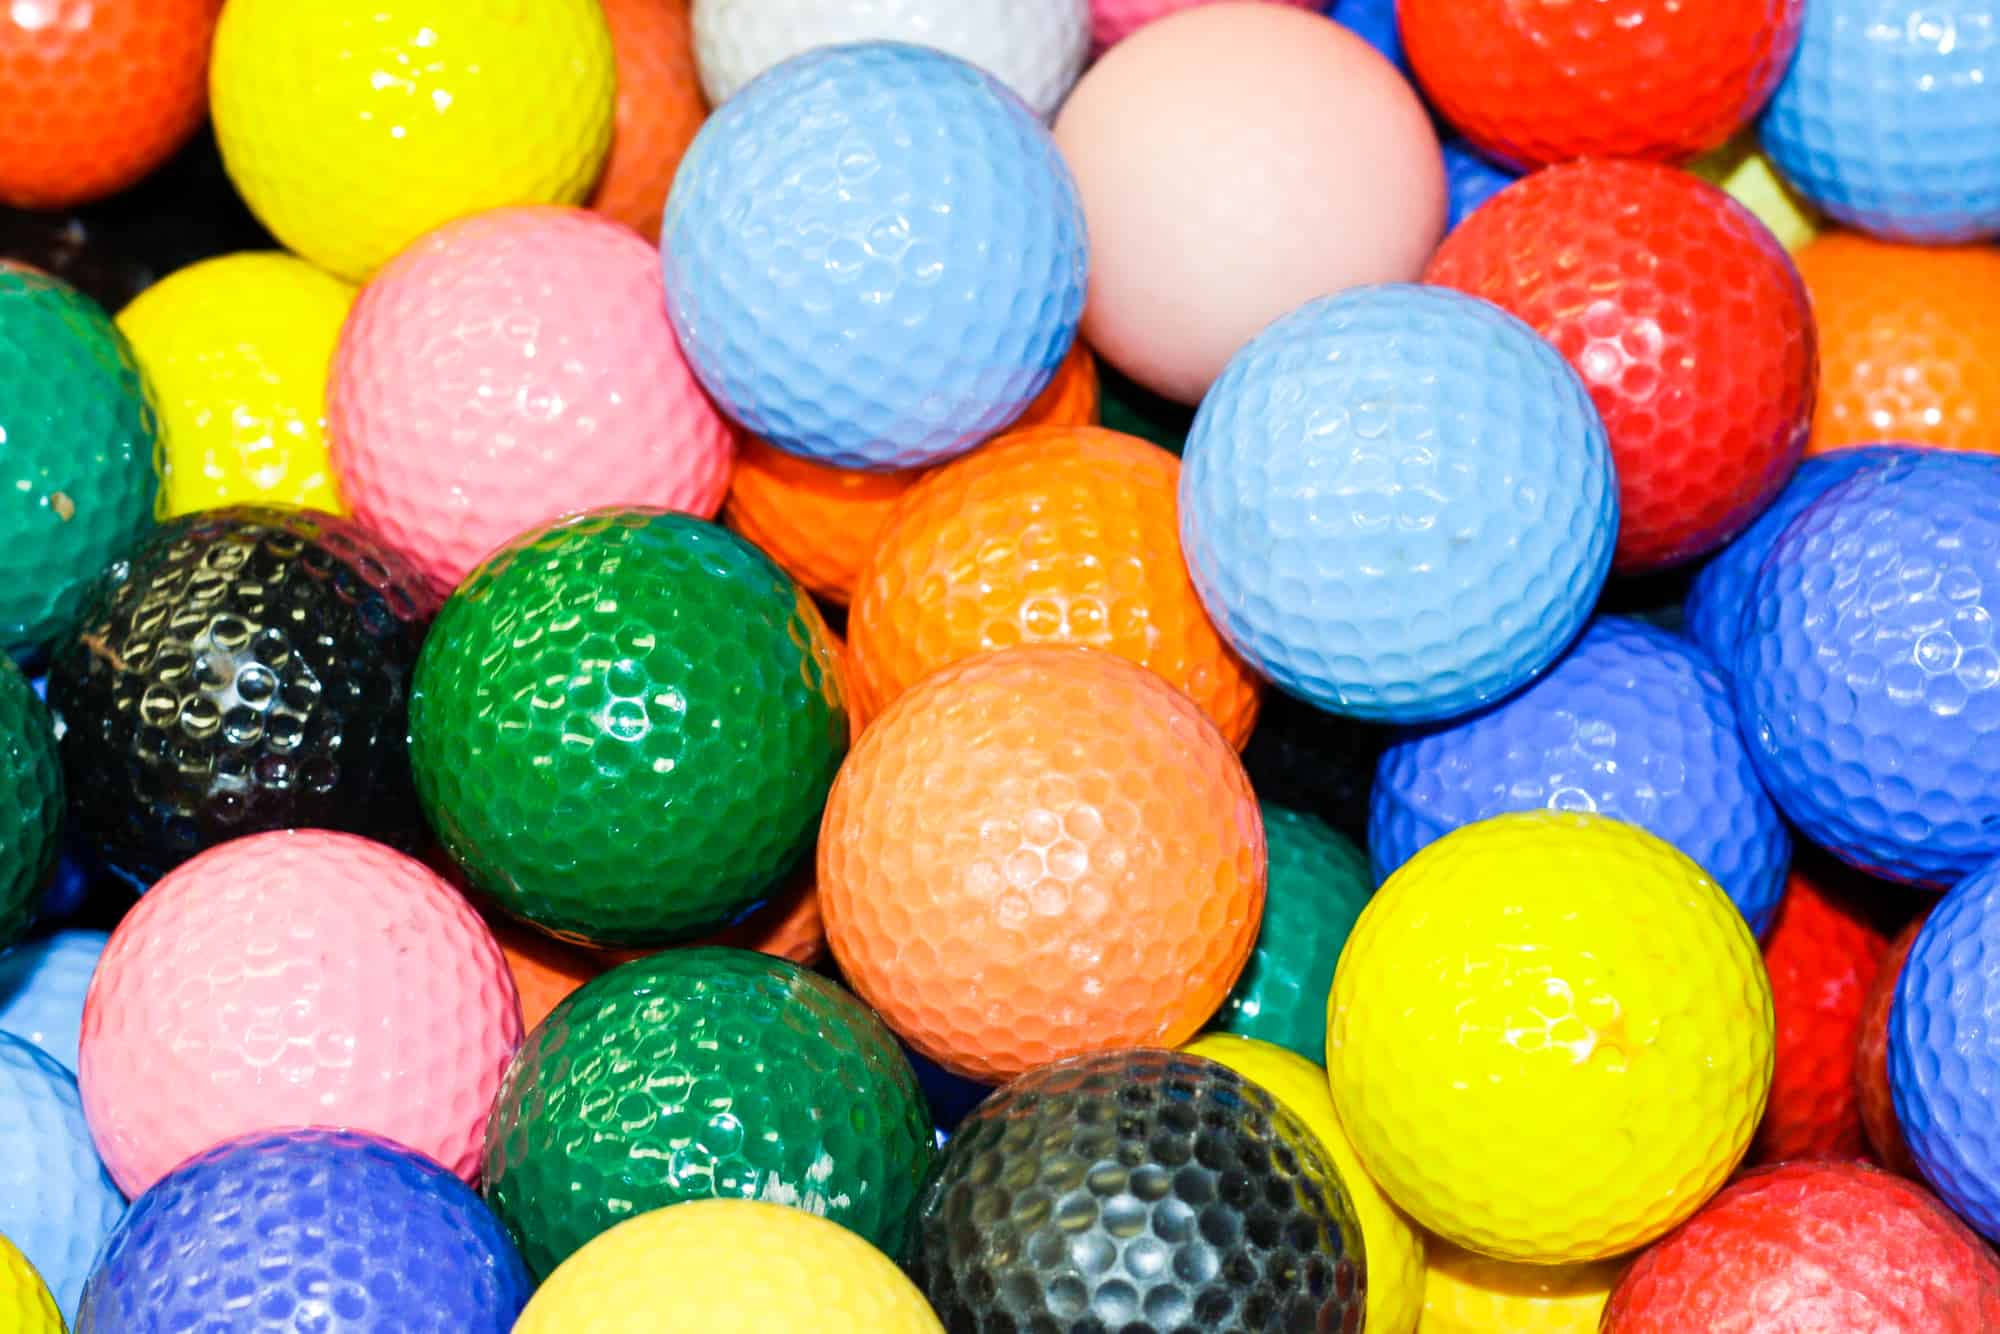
[1398, 503]
[57, 1203]
[875, 256]
[42, 984]
[1889, 119]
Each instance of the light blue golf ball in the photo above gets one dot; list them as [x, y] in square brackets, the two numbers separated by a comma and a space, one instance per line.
[1398, 504]
[57, 1203]
[874, 255]
[1634, 723]
[42, 984]
[1889, 119]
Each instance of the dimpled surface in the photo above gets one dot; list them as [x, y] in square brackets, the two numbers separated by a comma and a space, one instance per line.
[42, 984]
[241, 670]
[1885, 120]
[1115, 20]
[236, 349]
[1871, 1058]
[1316, 885]
[1541, 83]
[295, 978]
[1943, 1053]
[875, 257]
[1804, 1247]
[1550, 1037]
[1909, 343]
[1393, 1246]
[728, 1267]
[705, 1073]
[306, 1229]
[1143, 1191]
[57, 1204]
[96, 95]
[624, 726]
[821, 523]
[1469, 1293]
[1868, 676]
[77, 438]
[352, 127]
[1632, 723]
[31, 803]
[660, 107]
[1055, 535]
[1471, 180]
[1821, 956]
[1713, 613]
[510, 368]
[1743, 169]
[1398, 503]
[1040, 852]
[1685, 317]
[25, 1304]
[1035, 47]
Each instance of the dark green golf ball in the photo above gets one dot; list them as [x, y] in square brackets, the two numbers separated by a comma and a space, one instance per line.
[705, 1073]
[624, 726]
[31, 801]
[77, 437]
[1318, 884]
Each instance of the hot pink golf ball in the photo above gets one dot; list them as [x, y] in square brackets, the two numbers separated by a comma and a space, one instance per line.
[298, 978]
[1236, 161]
[509, 368]
[1114, 20]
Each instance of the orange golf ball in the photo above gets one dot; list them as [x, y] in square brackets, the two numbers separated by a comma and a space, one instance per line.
[1909, 343]
[94, 95]
[660, 106]
[1037, 853]
[1063, 534]
[545, 970]
[820, 523]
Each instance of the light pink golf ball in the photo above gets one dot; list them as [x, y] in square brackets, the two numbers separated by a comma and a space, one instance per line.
[1115, 20]
[297, 978]
[509, 368]
[1237, 161]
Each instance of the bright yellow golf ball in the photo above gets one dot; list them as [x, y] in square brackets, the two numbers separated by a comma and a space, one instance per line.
[237, 350]
[351, 127]
[1550, 1037]
[727, 1267]
[1391, 1246]
[1473, 1294]
[25, 1304]
[1741, 168]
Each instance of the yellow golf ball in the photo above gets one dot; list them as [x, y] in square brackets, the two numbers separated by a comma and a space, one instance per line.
[237, 349]
[1474, 1294]
[727, 1267]
[351, 127]
[1550, 1037]
[25, 1304]
[1391, 1246]
[1741, 168]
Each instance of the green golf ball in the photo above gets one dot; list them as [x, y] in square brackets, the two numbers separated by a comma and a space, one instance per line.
[624, 726]
[77, 441]
[1317, 886]
[705, 1073]
[31, 801]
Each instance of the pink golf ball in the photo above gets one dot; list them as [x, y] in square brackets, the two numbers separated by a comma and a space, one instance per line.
[1114, 20]
[1235, 162]
[299, 978]
[509, 368]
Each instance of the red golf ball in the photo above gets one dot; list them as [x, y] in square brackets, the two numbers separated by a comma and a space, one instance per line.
[1871, 1058]
[1814, 1246]
[1538, 81]
[1822, 955]
[1685, 317]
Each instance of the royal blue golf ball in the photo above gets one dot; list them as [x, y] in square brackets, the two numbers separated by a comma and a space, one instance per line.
[1398, 503]
[875, 256]
[1470, 180]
